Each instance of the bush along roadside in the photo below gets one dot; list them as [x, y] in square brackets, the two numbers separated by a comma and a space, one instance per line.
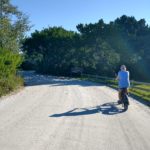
[9, 62]
[138, 90]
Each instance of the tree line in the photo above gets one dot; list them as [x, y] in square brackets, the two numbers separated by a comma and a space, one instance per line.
[98, 48]
[13, 25]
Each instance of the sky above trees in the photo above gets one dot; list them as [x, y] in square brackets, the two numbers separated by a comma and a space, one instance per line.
[69, 13]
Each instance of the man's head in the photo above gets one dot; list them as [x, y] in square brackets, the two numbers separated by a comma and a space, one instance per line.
[123, 68]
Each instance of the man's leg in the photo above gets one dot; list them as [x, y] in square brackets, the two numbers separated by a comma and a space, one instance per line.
[127, 91]
[119, 94]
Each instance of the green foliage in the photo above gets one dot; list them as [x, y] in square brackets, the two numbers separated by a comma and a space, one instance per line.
[13, 24]
[97, 48]
[9, 63]
[50, 50]
[10, 84]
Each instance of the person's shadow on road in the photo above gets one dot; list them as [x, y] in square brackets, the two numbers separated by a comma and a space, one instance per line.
[106, 109]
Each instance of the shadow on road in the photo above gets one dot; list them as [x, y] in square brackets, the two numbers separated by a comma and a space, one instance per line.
[105, 109]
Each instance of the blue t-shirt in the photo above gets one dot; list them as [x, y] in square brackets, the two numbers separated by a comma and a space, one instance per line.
[123, 79]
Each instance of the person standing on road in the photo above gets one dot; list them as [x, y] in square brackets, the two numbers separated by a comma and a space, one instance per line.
[123, 80]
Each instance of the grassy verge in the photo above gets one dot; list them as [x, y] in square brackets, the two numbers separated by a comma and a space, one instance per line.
[8, 85]
[137, 90]
[9, 62]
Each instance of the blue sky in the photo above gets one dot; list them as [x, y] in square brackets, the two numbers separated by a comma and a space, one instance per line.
[69, 13]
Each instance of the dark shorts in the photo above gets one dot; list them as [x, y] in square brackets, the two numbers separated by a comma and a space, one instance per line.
[123, 90]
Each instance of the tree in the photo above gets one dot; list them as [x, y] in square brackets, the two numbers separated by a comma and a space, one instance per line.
[13, 25]
[53, 48]
[98, 48]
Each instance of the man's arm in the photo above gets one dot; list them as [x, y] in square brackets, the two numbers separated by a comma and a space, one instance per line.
[117, 76]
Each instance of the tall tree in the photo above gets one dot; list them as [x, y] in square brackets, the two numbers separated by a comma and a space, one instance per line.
[98, 48]
[13, 25]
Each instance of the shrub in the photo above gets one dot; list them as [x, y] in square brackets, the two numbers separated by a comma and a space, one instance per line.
[9, 62]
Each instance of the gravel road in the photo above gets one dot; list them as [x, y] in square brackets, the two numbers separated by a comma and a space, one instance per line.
[53, 113]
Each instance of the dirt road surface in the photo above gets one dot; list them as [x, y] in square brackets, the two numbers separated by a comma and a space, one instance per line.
[53, 113]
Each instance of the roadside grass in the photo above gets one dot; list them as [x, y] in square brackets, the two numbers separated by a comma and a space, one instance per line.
[8, 85]
[138, 90]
